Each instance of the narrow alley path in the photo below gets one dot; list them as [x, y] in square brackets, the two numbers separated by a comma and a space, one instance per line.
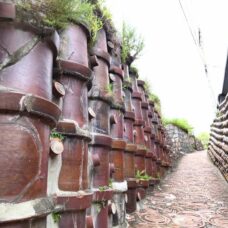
[194, 194]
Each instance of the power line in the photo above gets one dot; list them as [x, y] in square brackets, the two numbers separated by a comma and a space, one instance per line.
[193, 37]
[201, 54]
[189, 27]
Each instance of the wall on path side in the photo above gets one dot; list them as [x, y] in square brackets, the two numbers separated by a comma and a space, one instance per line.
[218, 144]
[180, 142]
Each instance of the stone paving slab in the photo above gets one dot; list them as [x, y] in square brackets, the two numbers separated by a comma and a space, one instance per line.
[193, 194]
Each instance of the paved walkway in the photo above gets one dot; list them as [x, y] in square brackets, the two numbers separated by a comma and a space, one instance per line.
[194, 194]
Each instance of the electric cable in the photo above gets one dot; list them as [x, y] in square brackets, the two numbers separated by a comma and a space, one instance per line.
[201, 54]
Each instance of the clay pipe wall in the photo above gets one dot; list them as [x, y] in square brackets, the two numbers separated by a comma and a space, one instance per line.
[147, 130]
[116, 75]
[153, 140]
[69, 181]
[119, 184]
[157, 142]
[100, 100]
[139, 137]
[27, 114]
[131, 148]
[138, 125]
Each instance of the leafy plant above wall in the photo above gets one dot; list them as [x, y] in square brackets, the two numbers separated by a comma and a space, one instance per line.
[148, 87]
[204, 138]
[180, 123]
[132, 45]
[105, 14]
[102, 12]
[58, 13]
[153, 97]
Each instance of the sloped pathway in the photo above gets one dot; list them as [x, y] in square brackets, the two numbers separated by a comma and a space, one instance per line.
[193, 195]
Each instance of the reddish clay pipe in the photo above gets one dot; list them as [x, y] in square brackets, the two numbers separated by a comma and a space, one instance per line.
[7, 11]
[27, 114]
[89, 222]
[74, 60]
[96, 160]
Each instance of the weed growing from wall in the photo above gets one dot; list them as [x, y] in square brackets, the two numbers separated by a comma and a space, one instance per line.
[56, 217]
[141, 175]
[55, 134]
[109, 89]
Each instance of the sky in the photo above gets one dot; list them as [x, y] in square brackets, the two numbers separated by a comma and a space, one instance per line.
[171, 61]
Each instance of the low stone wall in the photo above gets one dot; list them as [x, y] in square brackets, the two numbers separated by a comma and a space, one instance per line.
[179, 142]
[218, 144]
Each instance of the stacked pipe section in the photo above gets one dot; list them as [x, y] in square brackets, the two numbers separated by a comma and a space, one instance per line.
[153, 138]
[160, 145]
[118, 182]
[165, 152]
[147, 131]
[27, 115]
[155, 121]
[68, 177]
[129, 153]
[100, 100]
[139, 137]
[218, 144]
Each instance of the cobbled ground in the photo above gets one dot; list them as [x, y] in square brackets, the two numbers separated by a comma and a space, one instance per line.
[193, 194]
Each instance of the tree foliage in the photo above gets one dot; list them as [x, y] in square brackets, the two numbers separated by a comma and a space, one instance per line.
[134, 70]
[132, 44]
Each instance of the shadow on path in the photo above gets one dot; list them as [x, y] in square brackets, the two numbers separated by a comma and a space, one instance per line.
[194, 194]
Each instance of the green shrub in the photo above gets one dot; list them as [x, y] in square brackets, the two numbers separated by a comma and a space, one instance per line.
[56, 217]
[109, 89]
[157, 102]
[180, 123]
[104, 188]
[105, 13]
[55, 134]
[134, 70]
[148, 88]
[58, 13]
[218, 114]
[153, 97]
[132, 45]
[141, 175]
[204, 138]
[105, 16]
